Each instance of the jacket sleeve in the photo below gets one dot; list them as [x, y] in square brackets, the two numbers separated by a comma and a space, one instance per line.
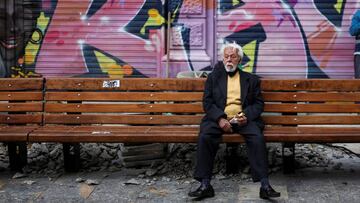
[254, 110]
[355, 24]
[211, 109]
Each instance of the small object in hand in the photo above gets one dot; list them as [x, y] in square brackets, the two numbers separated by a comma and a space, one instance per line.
[241, 114]
[233, 120]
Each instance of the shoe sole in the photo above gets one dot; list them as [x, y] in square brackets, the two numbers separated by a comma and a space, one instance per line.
[268, 197]
[201, 198]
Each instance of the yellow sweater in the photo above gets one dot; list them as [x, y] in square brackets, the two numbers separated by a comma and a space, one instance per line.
[233, 102]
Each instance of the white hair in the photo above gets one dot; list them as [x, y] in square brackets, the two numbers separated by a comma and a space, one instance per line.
[233, 45]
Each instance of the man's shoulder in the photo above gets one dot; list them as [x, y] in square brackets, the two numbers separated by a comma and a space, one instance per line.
[251, 76]
[219, 66]
[218, 69]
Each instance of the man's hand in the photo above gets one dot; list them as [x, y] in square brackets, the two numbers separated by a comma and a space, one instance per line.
[225, 125]
[242, 120]
[239, 119]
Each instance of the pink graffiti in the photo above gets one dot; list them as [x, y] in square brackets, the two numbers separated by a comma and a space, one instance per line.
[283, 52]
[62, 51]
[273, 56]
[331, 47]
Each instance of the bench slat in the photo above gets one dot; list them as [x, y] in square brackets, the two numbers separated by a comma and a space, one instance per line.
[181, 137]
[123, 119]
[197, 108]
[311, 120]
[21, 96]
[124, 96]
[311, 129]
[186, 134]
[15, 133]
[8, 84]
[125, 108]
[322, 85]
[166, 129]
[125, 84]
[198, 84]
[20, 118]
[311, 96]
[21, 107]
[191, 119]
[127, 129]
[313, 108]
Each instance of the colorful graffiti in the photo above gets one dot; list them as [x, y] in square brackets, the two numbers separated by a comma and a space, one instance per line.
[123, 38]
[17, 23]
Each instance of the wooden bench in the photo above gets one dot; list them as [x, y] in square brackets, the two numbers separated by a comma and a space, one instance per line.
[21, 107]
[170, 110]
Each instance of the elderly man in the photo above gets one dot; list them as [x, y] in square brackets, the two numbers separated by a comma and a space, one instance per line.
[232, 102]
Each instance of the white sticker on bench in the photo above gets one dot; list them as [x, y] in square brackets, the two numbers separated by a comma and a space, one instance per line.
[100, 132]
[111, 83]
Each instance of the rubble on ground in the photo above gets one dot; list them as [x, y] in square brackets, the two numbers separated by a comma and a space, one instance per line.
[175, 161]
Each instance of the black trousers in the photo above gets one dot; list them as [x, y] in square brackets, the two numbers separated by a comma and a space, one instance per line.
[208, 145]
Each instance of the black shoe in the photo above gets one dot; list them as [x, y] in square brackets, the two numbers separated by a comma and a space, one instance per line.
[266, 193]
[202, 193]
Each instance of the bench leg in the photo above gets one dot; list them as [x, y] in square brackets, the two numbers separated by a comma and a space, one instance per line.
[288, 156]
[17, 155]
[71, 157]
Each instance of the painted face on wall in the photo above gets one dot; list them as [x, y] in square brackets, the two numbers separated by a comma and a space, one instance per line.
[17, 20]
[231, 59]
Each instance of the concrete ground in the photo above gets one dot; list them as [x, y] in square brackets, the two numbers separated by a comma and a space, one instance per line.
[316, 184]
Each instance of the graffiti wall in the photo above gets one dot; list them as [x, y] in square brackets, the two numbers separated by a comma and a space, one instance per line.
[161, 38]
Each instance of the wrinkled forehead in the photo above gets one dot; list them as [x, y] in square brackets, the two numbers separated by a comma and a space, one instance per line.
[230, 51]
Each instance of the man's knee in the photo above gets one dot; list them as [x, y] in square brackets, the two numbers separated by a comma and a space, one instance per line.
[204, 138]
[208, 138]
[257, 138]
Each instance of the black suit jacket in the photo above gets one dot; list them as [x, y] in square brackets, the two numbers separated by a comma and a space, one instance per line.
[215, 94]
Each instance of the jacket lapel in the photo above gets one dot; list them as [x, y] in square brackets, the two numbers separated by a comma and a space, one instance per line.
[244, 85]
[222, 81]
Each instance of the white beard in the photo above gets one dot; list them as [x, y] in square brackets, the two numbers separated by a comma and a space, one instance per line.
[230, 67]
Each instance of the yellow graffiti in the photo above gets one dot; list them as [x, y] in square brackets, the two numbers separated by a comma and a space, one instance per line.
[249, 50]
[173, 16]
[235, 2]
[338, 6]
[109, 66]
[31, 49]
[19, 72]
[155, 19]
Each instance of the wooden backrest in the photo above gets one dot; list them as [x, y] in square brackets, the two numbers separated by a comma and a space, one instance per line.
[21, 101]
[144, 101]
[311, 102]
[133, 101]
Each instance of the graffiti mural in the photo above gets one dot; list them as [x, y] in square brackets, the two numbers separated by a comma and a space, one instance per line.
[123, 38]
[17, 23]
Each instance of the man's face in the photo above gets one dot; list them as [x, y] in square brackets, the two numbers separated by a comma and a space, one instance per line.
[14, 16]
[231, 59]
